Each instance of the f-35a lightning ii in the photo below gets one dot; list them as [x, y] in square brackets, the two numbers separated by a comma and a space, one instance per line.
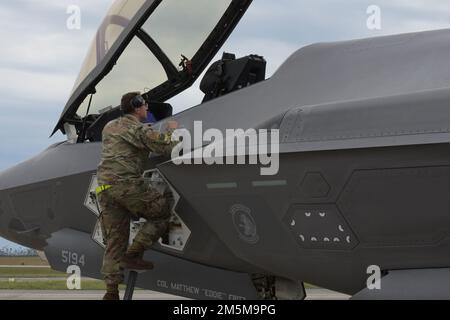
[363, 180]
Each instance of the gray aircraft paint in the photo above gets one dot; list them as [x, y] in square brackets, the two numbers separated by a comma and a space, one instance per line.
[365, 141]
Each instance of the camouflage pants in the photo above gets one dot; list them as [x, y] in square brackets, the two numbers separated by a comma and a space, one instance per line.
[119, 205]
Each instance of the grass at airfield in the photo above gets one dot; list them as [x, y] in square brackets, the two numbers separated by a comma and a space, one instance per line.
[50, 285]
[22, 261]
[86, 284]
[43, 271]
[30, 272]
[39, 278]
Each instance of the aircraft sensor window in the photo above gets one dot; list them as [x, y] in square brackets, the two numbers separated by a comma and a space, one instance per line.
[181, 27]
[137, 69]
[117, 19]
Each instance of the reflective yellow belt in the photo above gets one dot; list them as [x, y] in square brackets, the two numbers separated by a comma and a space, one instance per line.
[100, 189]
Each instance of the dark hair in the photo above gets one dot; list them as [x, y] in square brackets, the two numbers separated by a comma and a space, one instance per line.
[126, 104]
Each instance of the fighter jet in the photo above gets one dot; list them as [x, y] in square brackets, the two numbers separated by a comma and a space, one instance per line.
[364, 161]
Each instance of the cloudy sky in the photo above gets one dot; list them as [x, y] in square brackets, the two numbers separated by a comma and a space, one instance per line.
[40, 57]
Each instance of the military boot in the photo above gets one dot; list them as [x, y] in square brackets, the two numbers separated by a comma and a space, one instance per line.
[112, 292]
[133, 259]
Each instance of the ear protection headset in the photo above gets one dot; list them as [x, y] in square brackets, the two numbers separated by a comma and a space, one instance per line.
[137, 102]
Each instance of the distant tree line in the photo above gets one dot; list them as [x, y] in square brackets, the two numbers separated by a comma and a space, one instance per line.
[17, 252]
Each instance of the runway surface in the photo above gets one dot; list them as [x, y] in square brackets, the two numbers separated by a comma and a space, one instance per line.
[312, 294]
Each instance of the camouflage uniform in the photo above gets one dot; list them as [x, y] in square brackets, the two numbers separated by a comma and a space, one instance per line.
[126, 147]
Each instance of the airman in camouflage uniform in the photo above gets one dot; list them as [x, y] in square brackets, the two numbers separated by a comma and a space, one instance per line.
[124, 195]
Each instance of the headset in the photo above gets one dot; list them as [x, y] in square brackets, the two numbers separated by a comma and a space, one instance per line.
[138, 102]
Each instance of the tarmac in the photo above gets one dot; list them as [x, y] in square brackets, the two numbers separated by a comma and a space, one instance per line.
[312, 294]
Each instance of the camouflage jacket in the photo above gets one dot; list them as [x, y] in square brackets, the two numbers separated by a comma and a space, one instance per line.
[126, 147]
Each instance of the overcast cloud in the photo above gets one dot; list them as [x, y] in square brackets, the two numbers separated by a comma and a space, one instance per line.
[40, 58]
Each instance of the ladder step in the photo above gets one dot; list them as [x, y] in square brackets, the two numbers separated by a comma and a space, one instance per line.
[132, 277]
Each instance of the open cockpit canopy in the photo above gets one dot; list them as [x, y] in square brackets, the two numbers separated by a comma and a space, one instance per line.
[143, 45]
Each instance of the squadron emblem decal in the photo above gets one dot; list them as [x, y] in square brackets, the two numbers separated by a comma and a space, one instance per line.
[244, 223]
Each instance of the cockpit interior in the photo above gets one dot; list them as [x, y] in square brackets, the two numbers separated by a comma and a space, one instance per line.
[158, 48]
